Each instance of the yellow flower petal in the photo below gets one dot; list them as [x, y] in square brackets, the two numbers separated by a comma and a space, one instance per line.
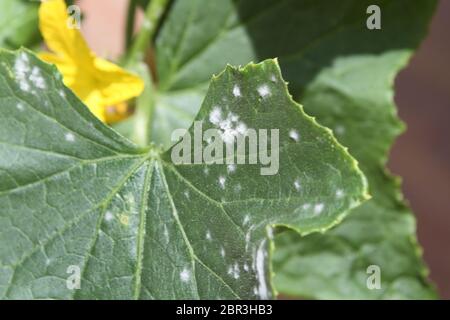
[117, 113]
[62, 40]
[97, 82]
[116, 84]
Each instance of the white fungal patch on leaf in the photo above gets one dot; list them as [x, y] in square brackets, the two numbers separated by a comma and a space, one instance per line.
[109, 216]
[294, 135]
[246, 219]
[262, 291]
[231, 168]
[222, 181]
[318, 208]
[166, 234]
[27, 76]
[233, 117]
[306, 206]
[70, 137]
[236, 91]
[187, 194]
[20, 106]
[264, 91]
[222, 252]
[37, 79]
[215, 116]
[234, 271]
[242, 128]
[230, 126]
[21, 70]
[339, 194]
[273, 78]
[185, 275]
[297, 184]
[248, 237]
[270, 233]
[208, 236]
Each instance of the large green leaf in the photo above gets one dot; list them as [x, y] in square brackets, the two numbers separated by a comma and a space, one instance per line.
[343, 73]
[381, 231]
[18, 23]
[75, 193]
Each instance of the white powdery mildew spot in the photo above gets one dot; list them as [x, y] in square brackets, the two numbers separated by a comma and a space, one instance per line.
[264, 91]
[208, 236]
[246, 219]
[270, 233]
[206, 171]
[339, 194]
[246, 268]
[215, 116]
[185, 275]
[20, 106]
[108, 216]
[69, 137]
[234, 271]
[233, 117]
[166, 234]
[273, 78]
[241, 128]
[21, 69]
[297, 185]
[262, 290]
[37, 79]
[318, 208]
[236, 91]
[306, 206]
[248, 237]
[222, 181]
[293, 134]
[231, 168]
[230, 127]
[62, 94]
[222, 252]
[187, 194]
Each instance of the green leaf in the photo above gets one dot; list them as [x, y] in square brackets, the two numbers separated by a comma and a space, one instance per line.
[137, 225]
[343, 73]
[18, 23]
[381, 231]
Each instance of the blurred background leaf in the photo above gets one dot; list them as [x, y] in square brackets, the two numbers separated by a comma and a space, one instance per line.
[19, 23]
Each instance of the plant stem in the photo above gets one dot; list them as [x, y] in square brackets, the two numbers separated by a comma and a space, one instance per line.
[131, 14]
[145, 105]
[141, 43]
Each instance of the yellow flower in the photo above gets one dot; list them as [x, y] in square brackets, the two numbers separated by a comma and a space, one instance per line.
[100, 84]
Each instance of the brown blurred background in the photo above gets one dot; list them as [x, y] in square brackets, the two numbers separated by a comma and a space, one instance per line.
[421, 155]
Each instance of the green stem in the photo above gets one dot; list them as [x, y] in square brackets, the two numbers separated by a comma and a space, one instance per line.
[145, 106]
[141, 43]
[131, 14]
